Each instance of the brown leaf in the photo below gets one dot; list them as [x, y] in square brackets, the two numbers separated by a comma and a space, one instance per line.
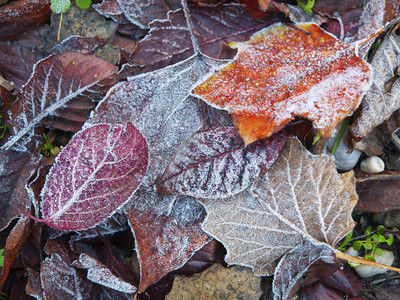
[218, 283]
[18, 16]
[378, 192]
[167, 232]
[16, 167]
[302, 197]
[282, 73]
[15, 240]
[383, 97]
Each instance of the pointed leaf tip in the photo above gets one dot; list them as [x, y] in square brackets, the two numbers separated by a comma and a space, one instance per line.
[97, 172]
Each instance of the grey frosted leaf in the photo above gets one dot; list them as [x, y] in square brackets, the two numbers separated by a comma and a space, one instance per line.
[100, 274]
[214, 163]
[317, 259]
[383, 98]
[302, 197]
[55, 81]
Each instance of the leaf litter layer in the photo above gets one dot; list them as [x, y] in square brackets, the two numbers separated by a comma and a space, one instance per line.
[281, 73]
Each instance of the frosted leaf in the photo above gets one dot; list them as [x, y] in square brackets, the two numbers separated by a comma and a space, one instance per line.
[167, 230]
[318, 259]
[95, 174]
[281, 73]
[142, 12]
[384, 96]
[59, 280]
[214, 163]
[55, 81]
[16, 167]
[111, 9]
[168, 41]
[60, 6]
[302, 197]
[100, 274]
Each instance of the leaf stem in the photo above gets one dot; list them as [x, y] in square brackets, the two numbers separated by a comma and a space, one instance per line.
[25, 213]
[59, 27]
[363, 261]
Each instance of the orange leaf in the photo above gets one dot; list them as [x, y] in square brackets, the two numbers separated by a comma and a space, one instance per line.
[281, 73]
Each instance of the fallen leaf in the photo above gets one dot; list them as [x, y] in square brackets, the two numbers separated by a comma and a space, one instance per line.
[16, 167]
[302, 197]
[111, 9]
[167, 232]
[142, 12]
[319, 291]
[100, 274]
[378, 192]
[303, 265]
[55, 81]
[335, 7]
[212, 26]
[15, 240]
[214, 164]
[218, 282]
[282, 73]
[18, 16]
[12, 66]
[106, 164]
[344, 280]
[60, 281]
[383, 97]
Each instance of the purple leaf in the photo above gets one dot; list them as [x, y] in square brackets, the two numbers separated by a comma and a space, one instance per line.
[214, 164]
[95, 174]
[55, 81]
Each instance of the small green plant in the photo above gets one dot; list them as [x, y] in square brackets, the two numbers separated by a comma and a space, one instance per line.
[1, 257]
[2, 129]
[47, 148]
[306, 7]
[370, 243]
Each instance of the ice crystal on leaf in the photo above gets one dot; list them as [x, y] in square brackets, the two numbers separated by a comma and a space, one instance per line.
[281, 73]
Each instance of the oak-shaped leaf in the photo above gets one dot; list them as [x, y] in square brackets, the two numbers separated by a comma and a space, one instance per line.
[302, 197]
[95, 174]
[55, 81]
[383, 97]
[281, 73]
[214, 163]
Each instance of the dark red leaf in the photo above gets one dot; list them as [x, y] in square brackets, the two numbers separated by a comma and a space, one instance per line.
[12, 66]
[303, 265]
[16, 168]
[111, 9]
[18, 16]
[56, 81]
[95, 174]
[214, 163]
[212, 26]
[167, 231]
[318, 291]
[344, 280]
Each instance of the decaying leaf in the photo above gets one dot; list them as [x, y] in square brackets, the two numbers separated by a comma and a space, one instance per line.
[214, 163]
[302, 197]
[384, 96]
[95, 174]
[167, 232]
[55, 81]
[218, 283]
[282, 73]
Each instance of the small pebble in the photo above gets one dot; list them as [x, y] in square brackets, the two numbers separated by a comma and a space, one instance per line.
[387, 258]
[372, 164]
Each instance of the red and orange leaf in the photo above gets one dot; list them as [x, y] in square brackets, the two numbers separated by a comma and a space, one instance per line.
[281, 73]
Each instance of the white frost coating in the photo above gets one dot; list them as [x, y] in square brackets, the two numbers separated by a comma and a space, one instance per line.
[302, 197]
[100, 274]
